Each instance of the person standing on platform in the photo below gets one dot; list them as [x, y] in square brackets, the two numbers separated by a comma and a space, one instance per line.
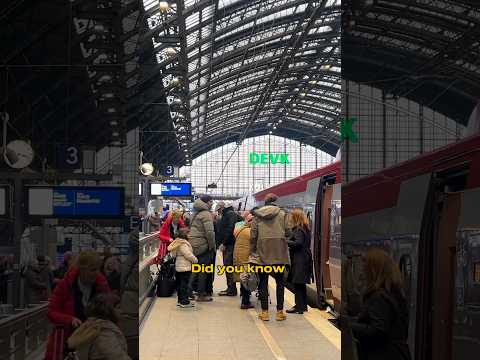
[382, 327]
[301, 258]
[66, 308]
[173, 222]
[182, 250]
[36, 283]
[202, 239]
[241, 254]
[227, 240]
[269, 236]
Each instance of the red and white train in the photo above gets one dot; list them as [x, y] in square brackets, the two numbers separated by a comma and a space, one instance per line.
[318, 193]
[424, 213]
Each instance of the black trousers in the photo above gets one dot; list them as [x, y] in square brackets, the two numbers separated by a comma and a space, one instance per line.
[200, 277]
[228, 261]
[211, 276]
[300, 296]
[182, 286]
[263, 289]
[245, 294]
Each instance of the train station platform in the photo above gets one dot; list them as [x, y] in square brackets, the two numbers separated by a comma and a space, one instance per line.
[221, 330]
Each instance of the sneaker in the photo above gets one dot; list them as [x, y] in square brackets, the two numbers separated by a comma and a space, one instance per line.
[280, 316]
[186, 305]
[246, 306]
[204, 299]
[264, 315]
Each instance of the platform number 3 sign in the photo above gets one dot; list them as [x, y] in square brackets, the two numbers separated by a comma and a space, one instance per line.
[69, 157]
[169, 170]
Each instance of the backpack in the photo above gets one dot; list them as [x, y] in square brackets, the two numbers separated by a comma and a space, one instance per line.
[249, 281]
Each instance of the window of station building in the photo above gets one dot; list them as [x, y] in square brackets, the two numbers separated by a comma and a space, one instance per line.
[276, 160]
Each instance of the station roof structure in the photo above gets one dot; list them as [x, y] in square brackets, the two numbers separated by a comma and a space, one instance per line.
[246, 68]
[70, 72]
[427, 51]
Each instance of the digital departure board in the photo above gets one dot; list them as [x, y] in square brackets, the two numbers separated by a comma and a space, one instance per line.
[171, 189]
[73, 202]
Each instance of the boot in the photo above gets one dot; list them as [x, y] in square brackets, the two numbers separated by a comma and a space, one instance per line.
[280, 316]
[264, 315]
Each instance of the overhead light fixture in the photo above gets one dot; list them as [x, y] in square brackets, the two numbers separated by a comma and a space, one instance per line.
[175, 81]
[270, 132]
[163, 6]
[108, 95]
[186, 150]
[302, 94]
[111, 110]
[115, 134]
[170, 52]
[147, 169]
[114, 122]
[313, 82]
[105, 77]
[99, 28]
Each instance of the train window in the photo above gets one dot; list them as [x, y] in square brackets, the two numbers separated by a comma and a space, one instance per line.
[476, 272]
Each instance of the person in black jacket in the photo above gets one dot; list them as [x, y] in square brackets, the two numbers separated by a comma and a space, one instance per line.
[301, 258]
[382, 327]
[227, 240]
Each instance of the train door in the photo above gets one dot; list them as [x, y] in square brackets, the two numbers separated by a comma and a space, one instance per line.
[436, 310]
[322, 241]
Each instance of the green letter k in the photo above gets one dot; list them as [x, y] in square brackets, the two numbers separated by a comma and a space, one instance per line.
[346, 131]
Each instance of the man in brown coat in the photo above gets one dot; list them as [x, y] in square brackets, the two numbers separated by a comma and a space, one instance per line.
[269, 236]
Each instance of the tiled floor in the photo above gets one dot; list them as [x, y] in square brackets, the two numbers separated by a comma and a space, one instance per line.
[220, 330]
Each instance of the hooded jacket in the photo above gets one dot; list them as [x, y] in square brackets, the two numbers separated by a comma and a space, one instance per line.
[241, 251]
[269, 235]
[65, 304]
[165, 236]
[183, 252]
[99, 339]
[202, 233]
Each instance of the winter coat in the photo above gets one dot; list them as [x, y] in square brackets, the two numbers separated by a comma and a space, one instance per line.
[227, 225]
[36, 286]
[99, 339]
[183, 253]
[301, 257]
[202, 234]
[166, 235]
[66, 303]
[269, 235]
[382, 328]
[241, 251]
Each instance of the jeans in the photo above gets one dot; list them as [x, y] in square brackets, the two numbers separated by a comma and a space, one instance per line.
[300, 296]
[263, 289]
[228, 261]
[201, 277]
[245, 294]
[182, 286]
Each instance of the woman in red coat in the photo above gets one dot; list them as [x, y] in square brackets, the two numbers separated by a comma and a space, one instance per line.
[66, 307]
[173, 222]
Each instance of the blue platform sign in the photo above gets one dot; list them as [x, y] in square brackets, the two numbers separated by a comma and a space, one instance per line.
[76, 201]
[169, 170]
[176, 189]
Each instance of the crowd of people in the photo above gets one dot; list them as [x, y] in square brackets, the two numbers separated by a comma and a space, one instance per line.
[264, 236]
[267, 236]
[92, 303]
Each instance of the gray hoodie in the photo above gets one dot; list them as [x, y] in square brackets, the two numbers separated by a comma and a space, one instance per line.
[269, 235]
[202, 233]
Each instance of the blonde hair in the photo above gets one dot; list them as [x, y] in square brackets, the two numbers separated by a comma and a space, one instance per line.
[176, 214]
[298, 219]
[88, 259]
[382, 272]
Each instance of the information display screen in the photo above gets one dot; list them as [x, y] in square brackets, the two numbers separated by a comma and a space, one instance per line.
[3, 201]
[72, 202]
[171, 189]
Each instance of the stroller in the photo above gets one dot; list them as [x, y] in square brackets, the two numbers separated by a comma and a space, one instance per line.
[166, 282]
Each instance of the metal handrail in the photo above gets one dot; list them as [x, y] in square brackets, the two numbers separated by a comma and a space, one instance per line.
[24, 332]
